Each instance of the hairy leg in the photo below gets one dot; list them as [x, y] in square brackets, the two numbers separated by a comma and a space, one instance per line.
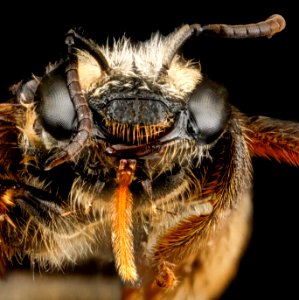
[204, 275]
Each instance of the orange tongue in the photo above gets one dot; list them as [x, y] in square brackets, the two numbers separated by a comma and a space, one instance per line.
[121, 227]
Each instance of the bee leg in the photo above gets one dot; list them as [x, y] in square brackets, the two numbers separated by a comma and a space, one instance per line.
[205, 269]
[25, 214]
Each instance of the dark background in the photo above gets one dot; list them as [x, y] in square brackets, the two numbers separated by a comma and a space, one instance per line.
[260, 74]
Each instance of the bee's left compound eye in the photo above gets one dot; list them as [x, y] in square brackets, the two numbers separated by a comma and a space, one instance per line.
[209, 111]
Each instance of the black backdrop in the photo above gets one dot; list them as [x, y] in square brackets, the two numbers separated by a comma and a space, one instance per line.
[258, 74]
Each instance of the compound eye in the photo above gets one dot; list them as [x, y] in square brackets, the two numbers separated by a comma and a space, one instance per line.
[55, 107]
[209, 111]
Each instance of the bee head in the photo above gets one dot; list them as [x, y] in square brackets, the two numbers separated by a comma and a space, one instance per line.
[136, 95]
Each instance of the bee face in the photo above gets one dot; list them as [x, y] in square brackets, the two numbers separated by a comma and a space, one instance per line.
[131, 109]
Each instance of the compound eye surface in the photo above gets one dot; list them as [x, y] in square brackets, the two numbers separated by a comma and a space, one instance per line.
[55, 107]
[209, 111]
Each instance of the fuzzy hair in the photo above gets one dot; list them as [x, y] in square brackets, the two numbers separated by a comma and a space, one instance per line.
[143, 60]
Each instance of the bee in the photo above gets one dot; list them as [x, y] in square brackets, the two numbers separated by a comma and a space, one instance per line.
[130, 155]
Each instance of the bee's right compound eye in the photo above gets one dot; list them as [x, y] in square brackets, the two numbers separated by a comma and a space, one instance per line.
[209, 111]
[55, 106]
